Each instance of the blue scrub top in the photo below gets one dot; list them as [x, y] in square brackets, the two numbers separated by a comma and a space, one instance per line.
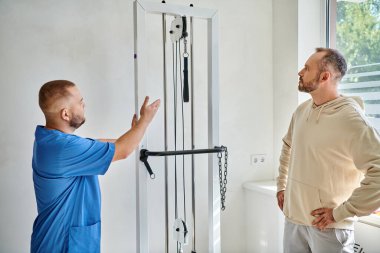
[65, 176]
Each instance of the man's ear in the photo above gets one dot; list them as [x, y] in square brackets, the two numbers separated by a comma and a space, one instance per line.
[65, 115]
[325, 75]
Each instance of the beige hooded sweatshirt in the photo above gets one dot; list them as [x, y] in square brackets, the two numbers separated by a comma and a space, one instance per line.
[330, 158]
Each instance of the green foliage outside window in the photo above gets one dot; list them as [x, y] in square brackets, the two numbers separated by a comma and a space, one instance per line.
[358, 31]
[358, 38]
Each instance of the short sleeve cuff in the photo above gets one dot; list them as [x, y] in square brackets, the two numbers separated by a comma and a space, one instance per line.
[111, 153]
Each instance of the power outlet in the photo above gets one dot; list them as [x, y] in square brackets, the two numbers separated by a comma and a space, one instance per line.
[257, 160]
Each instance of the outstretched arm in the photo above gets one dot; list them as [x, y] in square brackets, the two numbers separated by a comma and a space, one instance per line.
[134, 121]
[107, 140]
[129, 141]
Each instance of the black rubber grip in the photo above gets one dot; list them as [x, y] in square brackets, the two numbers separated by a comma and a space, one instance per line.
[185, 80]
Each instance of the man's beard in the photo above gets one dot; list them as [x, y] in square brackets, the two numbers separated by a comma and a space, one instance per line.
[77, 121]
[308, 86]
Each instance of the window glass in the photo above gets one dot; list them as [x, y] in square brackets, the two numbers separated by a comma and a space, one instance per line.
[357, 36]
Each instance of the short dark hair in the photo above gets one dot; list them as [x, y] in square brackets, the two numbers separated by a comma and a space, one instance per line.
[333, 58]
[52, 91]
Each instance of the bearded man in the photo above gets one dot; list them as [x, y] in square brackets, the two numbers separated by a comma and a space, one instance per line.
[66, 169]
[330, 162]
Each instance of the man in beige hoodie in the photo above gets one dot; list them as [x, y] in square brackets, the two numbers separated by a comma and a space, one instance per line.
[330, 162]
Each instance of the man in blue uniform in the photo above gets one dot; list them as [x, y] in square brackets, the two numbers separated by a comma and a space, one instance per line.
[66, 169]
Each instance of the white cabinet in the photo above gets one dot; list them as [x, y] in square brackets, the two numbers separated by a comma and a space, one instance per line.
[264, 220]
[367, 236]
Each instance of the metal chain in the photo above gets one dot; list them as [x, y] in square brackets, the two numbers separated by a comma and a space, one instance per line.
[223, 182]
[225, 173]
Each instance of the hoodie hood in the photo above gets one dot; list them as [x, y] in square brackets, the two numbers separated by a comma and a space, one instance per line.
[334, 105]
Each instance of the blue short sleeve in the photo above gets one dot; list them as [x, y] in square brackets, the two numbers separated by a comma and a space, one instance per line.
[85, 157]
[57, 154]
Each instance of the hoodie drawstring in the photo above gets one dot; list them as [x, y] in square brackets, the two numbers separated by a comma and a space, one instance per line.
[310, 110]
[319, 113]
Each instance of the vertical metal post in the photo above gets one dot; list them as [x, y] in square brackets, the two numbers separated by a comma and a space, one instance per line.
[165, 133]
[213, 134]
[141, 179]
[192, 130]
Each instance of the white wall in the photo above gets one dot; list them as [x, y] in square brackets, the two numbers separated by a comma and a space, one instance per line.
[285, 65]
[246, 110]
[311, 32]
[91, 43]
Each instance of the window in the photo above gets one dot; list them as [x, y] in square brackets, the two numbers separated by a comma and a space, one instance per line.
[354, 29]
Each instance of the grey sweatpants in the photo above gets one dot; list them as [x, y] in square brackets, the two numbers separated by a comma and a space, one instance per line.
[307, 239]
